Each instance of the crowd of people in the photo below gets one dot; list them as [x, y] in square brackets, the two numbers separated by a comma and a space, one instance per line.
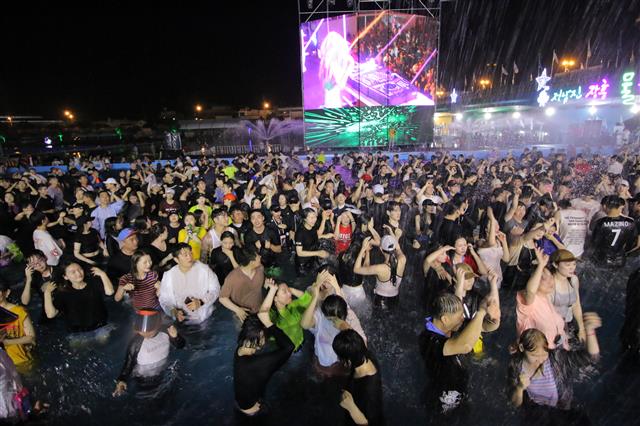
[175, 241]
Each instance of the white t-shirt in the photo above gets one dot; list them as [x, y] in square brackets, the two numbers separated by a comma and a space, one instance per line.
[573, 230]
[324, 332]
[491, 257]
[590, 207]
[43, 241]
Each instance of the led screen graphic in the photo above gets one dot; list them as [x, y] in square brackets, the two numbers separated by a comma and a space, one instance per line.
[368, 126]
[369, 79]
[369, 60]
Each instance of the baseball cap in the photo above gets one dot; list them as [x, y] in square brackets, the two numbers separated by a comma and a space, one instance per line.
[230, 197]
[623, 182]
[468, 270]
[378, 189]
[388, 243]
[125, 233]
[562, 255]
[110, 180]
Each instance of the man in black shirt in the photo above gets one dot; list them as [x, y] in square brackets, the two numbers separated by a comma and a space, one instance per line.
[264, 239]
[280, 227]
[43, 202]
[613, 235]
[120, 263]
[441, 346]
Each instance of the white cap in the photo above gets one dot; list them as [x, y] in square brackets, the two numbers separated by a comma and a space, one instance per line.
[388, 243]
[378, 189]
[110, 180]
[623, 182]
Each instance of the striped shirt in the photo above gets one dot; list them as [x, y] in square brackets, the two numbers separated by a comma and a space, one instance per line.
[144, 294]
[543, 389]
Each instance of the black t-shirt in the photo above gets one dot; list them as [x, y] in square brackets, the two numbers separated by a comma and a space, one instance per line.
[241, 229]
[172, 237]
[308, 240]
[119, 264]
[268, 256]
[282, 232]
[43, 204]
[611, 238]
[367, 394]
[89, 243]
[448, 376]
[83, 310]
[251, 373]
[220, 262]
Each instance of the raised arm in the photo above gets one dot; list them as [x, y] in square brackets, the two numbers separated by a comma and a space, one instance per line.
[534, 281]
[263, 314]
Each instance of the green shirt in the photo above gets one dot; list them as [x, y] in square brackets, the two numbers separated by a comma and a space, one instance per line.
[288, 319]
[230, 171]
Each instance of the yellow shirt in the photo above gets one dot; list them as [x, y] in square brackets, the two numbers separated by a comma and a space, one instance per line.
[18, 353]
[195, 245]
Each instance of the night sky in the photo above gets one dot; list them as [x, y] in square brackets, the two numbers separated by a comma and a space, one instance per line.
[119, 66]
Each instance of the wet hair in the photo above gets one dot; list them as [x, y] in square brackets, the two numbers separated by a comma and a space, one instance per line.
[528, 341]
[246, 256]
[350, 348]
[218, 212]
[227, 234]
[391, 205]
[156, 230]
[135, 258]
[252, 332]
[334, 306]
[446, 304]
[564, 204]
[140, 224]
[37, 218]
[306, 212]
[256, 211]
[37, 253]
[178, 248]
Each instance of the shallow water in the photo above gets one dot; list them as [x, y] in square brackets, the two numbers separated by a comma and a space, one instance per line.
[198, 386]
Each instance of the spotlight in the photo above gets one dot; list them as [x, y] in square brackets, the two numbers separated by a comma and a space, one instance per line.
[593, 110]
[550, 111]
[516, 115]
[635, 108]
[459, 116]
[487, 116]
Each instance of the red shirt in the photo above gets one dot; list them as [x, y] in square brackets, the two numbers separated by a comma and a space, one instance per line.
[343, 239]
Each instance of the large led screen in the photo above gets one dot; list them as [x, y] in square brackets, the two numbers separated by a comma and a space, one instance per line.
[369, 79]
[369, 60]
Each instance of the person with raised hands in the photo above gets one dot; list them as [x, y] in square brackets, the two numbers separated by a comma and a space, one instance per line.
[442, 344]
[534, 308]
[539, 377]
[253, 366]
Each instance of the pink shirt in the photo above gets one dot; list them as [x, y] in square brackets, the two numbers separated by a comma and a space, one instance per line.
[541, 315]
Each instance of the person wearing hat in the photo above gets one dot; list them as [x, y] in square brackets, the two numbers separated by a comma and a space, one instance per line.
[388, 274]
[120, 263]
[613, 235]
[169, 204]
[566, 293]
[148, 350]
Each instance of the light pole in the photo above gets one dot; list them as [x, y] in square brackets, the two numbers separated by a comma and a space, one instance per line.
[568, 63]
